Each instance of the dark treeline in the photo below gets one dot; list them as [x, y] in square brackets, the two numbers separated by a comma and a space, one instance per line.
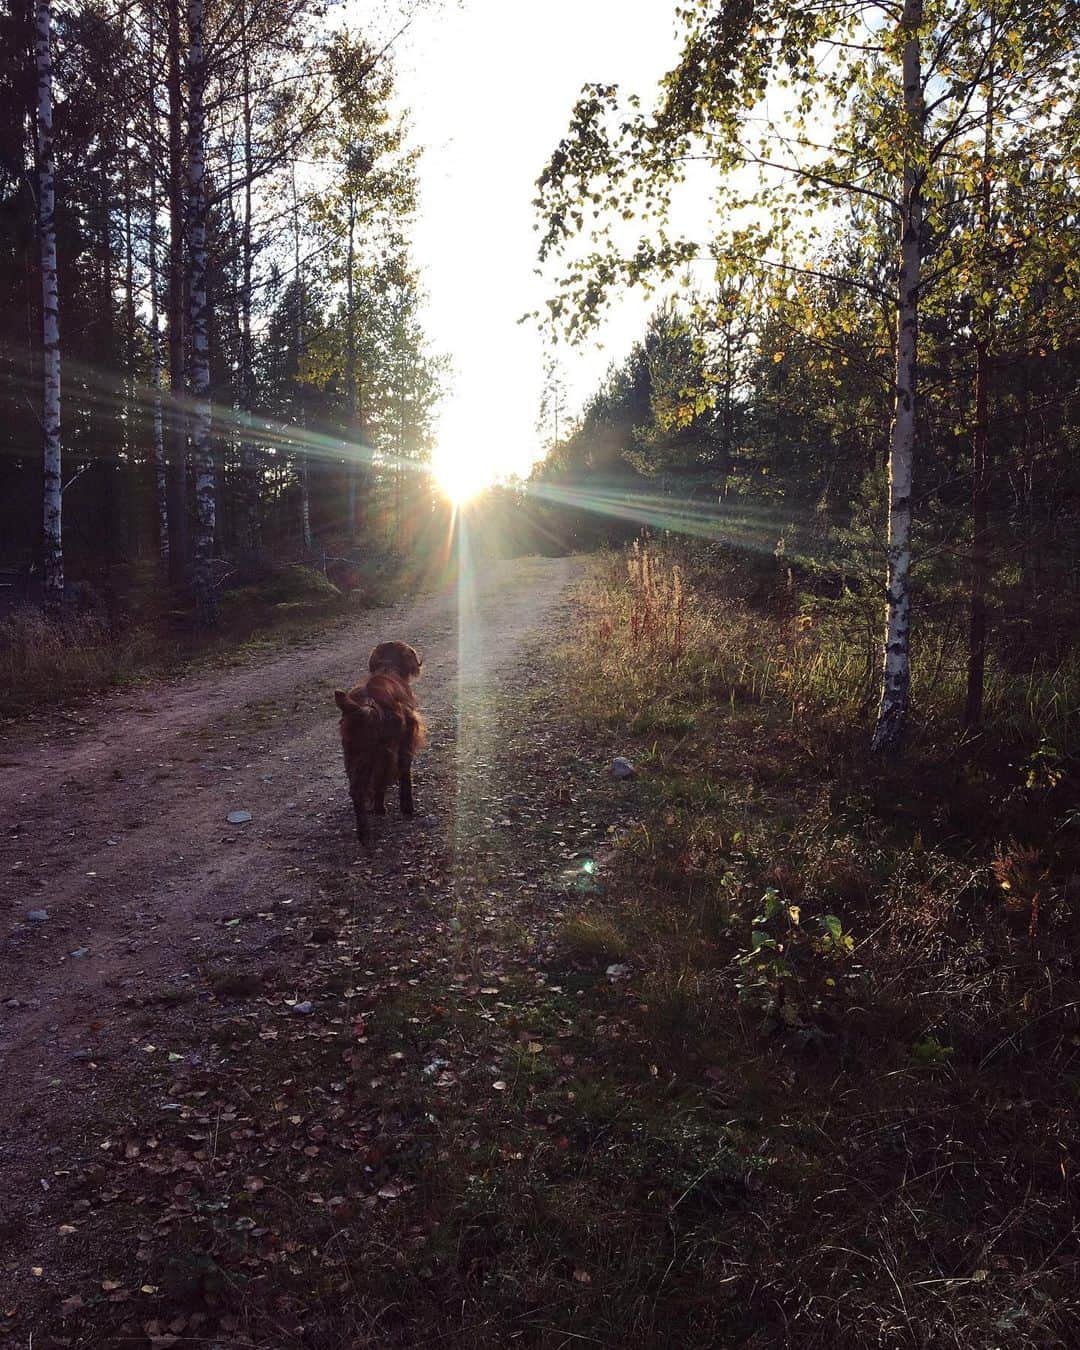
[243, 368]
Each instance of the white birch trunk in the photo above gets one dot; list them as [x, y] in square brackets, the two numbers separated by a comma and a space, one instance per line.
[176, 469]
[896, 680]
[53, 550]
[205, 484]
[250, 475]
[156, 353]
[352, 465]
[160, 482]
[305, 499]
[298, 335]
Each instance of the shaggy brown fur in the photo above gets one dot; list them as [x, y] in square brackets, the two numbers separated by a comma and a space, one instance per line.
[381, 731]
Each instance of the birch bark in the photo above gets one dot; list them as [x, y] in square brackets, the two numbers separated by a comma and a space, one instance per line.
[249, 455]
[158, 451]
[199, 384]
[351, 382]
[53, 551]
[896, 680]
[298, 339]
[176, 474]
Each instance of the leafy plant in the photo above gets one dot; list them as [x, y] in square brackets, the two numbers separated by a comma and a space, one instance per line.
[930, 1051]
[782, 969]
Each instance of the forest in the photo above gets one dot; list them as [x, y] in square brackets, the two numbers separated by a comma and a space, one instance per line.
[216, 249]
[721, 986]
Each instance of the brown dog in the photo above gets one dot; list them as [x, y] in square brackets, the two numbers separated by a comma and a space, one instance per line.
[381, 731]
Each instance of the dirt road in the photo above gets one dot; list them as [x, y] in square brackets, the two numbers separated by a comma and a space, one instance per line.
[115, 826]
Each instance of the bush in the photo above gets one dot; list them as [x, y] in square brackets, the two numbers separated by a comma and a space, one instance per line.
[295, 583]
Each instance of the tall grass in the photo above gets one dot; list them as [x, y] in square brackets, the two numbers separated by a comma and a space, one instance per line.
[45, 661]
[652, 635]
[833, 664]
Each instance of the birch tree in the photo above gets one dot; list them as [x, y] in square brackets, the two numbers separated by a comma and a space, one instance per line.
[161, 501]
[857, 129]
[251, 529]
[50, 310]
[199, 381]
[896, 675]
[176, 472]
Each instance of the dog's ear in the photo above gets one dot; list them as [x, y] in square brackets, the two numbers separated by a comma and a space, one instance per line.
[341, 698]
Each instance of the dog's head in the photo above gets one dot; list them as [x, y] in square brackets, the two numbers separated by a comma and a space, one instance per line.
[395, 658]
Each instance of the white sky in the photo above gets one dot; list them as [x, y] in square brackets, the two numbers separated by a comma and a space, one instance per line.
[490, 85]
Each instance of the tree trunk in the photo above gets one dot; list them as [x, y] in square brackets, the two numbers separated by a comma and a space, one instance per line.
[980, 562]
[298, 342]
[131, 419]
[980, 551]
[53, 551]
[158, 450]
[107, 420]
[250, 527]
[202, 450]
[177, 468]
[352, 464]
[896, 680]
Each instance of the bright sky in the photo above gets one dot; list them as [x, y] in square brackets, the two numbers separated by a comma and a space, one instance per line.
[490, 85]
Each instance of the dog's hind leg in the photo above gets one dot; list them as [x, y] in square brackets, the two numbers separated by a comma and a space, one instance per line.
[358, 791]
[380, 778]
[405, 784]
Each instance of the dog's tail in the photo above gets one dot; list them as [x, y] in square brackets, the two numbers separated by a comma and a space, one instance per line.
[417, 731]
[353, 706]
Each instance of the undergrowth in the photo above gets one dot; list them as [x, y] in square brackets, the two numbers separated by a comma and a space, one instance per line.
[883, 954]
[45, 661]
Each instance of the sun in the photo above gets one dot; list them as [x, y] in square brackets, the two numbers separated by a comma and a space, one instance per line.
[461, 474]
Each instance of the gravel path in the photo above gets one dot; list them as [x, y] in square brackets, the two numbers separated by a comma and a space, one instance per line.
[115, 825]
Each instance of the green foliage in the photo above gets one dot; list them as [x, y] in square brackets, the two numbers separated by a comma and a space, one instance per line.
[788, 970]
[930, 1052]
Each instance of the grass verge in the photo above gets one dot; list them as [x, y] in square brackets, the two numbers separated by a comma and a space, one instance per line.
[45, 662]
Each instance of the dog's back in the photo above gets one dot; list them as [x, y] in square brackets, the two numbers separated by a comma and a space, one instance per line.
[380, 711]
[381, 731]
